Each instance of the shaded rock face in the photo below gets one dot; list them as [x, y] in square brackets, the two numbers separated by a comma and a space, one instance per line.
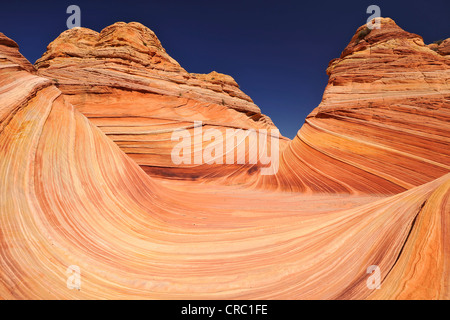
[442, 47]
[71, 196]
[10, 53]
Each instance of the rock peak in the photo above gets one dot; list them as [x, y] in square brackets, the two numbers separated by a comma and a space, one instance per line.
[132, 34]
[9, 53]
[130, 42]
[365, 37]
[5, 41]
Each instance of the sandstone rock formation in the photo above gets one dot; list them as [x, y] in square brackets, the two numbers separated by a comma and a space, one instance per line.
[123, 80]
[383, 124]
[441, 46]
[71, 193]
[381, 127]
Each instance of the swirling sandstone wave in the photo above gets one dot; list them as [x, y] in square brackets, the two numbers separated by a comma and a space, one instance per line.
[71, 196]
[382, 126]
[123, 80]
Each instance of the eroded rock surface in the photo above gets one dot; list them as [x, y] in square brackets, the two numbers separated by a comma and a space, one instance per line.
[71, 193]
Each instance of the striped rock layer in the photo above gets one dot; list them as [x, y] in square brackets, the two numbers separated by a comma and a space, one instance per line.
[71, 196]
[382, 126]
[383, 123]
[123, 80]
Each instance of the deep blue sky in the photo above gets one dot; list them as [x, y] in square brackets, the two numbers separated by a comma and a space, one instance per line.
[276, 50]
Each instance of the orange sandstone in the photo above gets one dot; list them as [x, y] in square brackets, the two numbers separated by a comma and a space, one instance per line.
[368, 175]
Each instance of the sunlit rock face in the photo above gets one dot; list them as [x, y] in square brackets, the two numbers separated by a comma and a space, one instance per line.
[123, 80]
[381, 127]
[365, 182]
[383, 123]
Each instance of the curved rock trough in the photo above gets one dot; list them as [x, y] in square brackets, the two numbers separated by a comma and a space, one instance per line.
[87, 178]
